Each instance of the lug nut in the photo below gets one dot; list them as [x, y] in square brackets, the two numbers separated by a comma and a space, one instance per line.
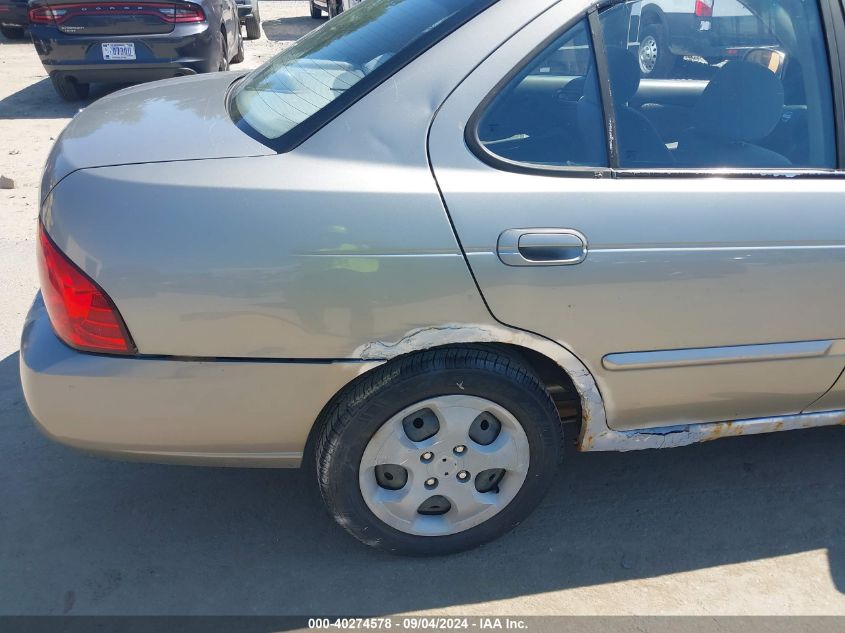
[427, 456]
[460, 449]
[463, 475]
[430, 483]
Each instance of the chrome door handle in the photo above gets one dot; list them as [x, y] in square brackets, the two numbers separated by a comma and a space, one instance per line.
[542, 247]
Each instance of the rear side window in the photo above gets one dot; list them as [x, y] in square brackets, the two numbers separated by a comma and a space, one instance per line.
[324, 69]
[550, 113]
[720, 84]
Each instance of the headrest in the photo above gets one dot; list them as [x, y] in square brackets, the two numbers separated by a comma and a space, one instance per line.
[624, 72]
[743, 102]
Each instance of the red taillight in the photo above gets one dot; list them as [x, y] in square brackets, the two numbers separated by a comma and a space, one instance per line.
[82, 314]
[183, 13]
[704, 8]
[41, 15]
[171, 12]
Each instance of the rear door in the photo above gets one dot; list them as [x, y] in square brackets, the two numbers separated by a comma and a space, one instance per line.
[699, 274]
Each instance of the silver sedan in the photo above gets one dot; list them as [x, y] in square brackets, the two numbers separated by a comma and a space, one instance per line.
[409, 248]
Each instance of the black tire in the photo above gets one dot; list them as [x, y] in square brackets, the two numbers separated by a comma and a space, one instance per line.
[223, 63]
[355, 415]
[333, 10]
[253, 25]
[70, 90]
[665, 59]
[240, 54]
[316, 12]
[13, 32]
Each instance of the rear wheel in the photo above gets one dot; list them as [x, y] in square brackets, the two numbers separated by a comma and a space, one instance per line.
[333, 9]
[70, 89]
[223, 64]
[316, 12]
[438, 452]
[253, 25]
[13, 32]
[656, 60]
[240, 54]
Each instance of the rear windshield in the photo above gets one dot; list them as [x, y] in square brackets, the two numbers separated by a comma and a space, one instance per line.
[359, 48]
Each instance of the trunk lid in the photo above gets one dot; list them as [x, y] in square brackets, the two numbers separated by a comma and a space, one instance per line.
[101, 17]
[175, 119]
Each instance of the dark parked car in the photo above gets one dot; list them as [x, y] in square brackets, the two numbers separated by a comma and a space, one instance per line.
[13, 19]
[249, 16]
[116, 42]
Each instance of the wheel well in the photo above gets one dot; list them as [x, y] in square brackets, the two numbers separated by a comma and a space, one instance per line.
[554, 378]
[650, 16]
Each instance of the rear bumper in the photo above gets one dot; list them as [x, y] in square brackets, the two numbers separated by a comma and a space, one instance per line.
[224, 413]
[708, 48]
[124, 73]
[188, 49]
[14, 15]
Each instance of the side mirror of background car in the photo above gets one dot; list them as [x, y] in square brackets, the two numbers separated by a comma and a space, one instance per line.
[772, 59]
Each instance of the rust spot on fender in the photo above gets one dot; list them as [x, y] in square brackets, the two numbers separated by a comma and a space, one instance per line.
[683, 435]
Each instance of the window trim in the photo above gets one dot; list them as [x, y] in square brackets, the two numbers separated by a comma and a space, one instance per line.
[731, 172]
[834, 32]
[605, 87]
[492, 159]
[833, 22]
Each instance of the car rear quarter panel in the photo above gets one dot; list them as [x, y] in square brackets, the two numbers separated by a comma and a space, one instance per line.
[275, 257]
[310, 254]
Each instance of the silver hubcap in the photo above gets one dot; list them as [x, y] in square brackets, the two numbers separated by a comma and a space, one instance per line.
[648, 54]
[444, 465]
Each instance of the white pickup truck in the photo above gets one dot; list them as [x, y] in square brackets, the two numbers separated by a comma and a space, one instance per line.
[662, 31]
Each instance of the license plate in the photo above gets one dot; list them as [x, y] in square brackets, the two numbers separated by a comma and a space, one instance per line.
[119, 51]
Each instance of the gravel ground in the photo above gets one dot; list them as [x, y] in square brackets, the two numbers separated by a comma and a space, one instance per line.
[742, 526]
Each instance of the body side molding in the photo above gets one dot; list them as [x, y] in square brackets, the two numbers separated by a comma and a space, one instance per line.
[659, 359]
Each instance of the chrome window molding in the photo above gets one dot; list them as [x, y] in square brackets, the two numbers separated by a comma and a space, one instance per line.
[727, 172]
